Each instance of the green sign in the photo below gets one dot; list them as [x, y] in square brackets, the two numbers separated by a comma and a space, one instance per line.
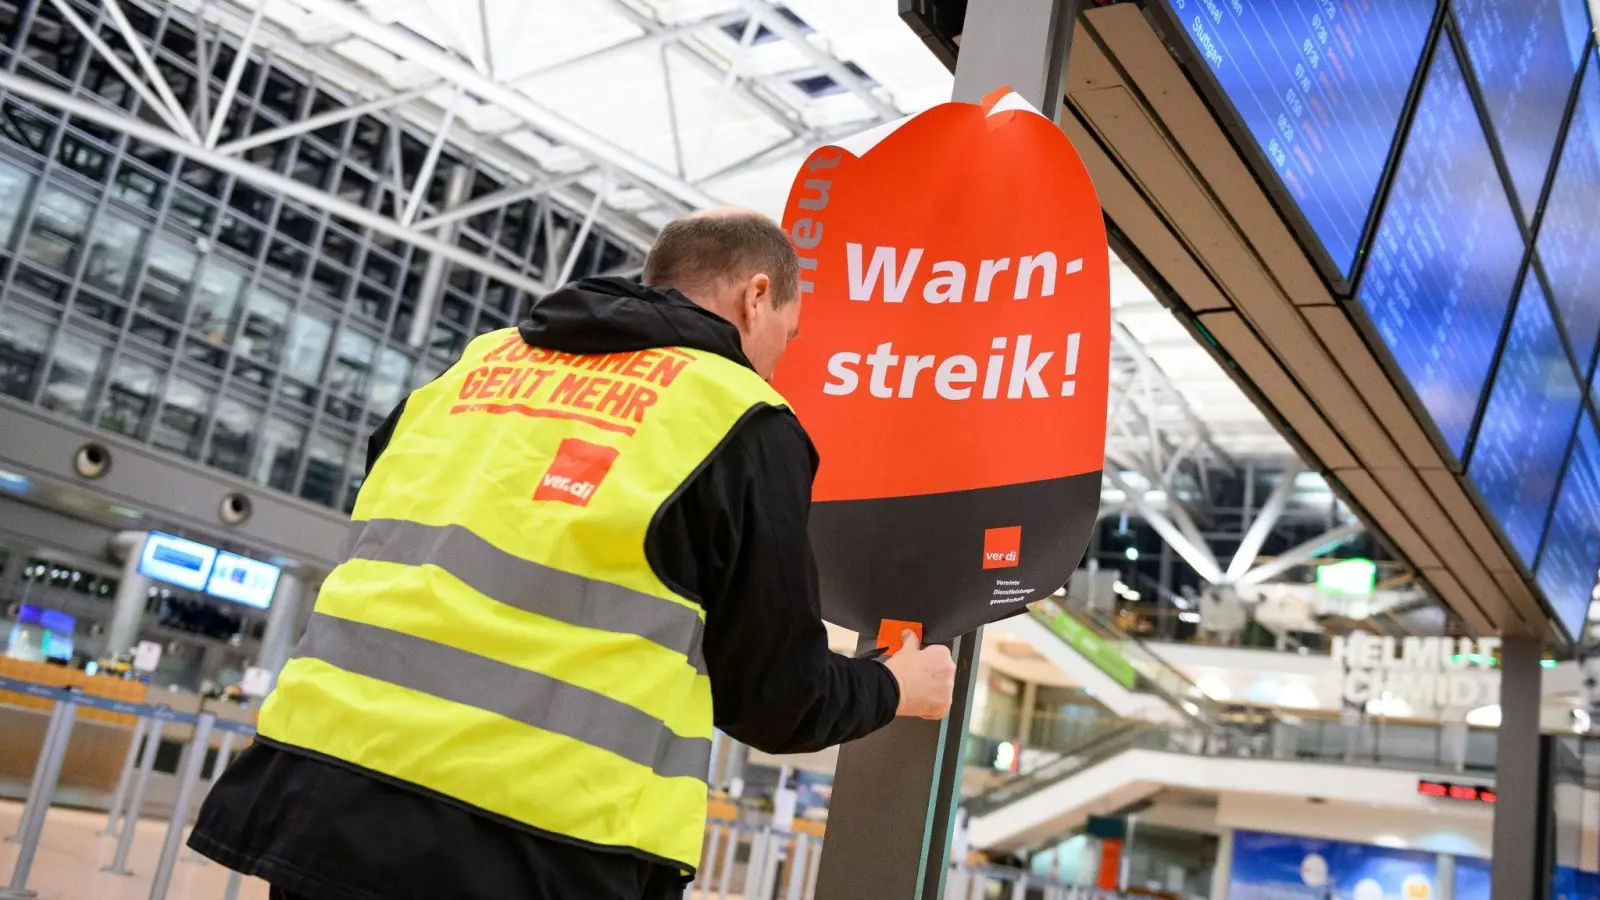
[1096, 649]
[1352, 576]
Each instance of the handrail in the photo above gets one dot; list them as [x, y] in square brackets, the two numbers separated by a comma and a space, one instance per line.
[1123, 657]
[1323, 742]
[1105, 747]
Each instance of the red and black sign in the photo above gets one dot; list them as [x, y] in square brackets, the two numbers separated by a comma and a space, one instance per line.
[1445, 790]
[952, 364]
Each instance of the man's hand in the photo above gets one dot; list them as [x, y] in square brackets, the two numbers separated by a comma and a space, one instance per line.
[927, 678]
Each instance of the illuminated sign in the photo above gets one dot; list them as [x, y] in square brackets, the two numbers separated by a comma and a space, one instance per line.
[1353, 576]
[177, 561]
[1430, 672]
[1444, 790]
[243, 580]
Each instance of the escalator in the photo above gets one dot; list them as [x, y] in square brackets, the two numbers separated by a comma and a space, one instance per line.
[1123, 674]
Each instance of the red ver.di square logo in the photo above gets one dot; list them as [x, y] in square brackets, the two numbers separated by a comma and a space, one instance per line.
[1002, 547]
[576, 472]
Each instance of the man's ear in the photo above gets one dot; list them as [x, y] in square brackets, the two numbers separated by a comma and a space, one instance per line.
[758, 290]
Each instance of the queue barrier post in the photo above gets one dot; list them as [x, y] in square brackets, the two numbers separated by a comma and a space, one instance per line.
[798, 868]
[811, 872]
[194, 761]
[130, 820]
[52, 734]
[752, 866]
[1020, 888]
[703, 878]
[224, 756]
[58, 734]
[977, 885]
[235, 882]
[729, 857]
[777, 843]
[141, 730]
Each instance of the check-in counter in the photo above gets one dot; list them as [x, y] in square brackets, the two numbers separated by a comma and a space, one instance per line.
[100, 739]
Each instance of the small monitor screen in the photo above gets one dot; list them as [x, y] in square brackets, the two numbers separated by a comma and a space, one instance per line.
[177, 561]
[1566, 241]
[1444, 262]
[243, 580]
[1571, 558]
[1527, 426]
[58, 622]
[1525, 55]
[1320, 86]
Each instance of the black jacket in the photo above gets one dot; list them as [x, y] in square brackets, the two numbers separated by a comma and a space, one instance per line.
[735, 539]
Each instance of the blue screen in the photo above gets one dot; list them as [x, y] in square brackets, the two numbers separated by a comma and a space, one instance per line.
[1567, 242]
[1527, 425]
[1571, 558]
[1284, 867]
[1525, 54]
[1472, 878]
[1320, 85]
[1445, 258]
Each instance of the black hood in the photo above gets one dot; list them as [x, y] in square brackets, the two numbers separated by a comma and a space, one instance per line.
[618, 315]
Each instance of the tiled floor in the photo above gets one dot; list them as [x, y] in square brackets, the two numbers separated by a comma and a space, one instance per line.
[73, 850]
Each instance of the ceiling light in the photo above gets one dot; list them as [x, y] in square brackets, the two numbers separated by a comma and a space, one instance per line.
[1132, 553]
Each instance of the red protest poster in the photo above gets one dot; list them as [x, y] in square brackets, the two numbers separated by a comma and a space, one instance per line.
[952, 364]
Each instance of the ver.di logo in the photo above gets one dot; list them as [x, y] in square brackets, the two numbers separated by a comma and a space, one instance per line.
[1002, 547]
[576, 472]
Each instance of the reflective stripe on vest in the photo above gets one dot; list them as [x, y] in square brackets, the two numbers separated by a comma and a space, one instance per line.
[529, 586]
[517, 694]
[496, 634]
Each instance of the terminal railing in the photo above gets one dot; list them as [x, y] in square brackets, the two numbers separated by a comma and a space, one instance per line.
[1372, 744]
[129, 799]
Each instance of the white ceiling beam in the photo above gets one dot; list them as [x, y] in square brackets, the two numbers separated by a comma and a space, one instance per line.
[838, 71]
[416, 50]
[1265, 521]
[262, 177]
[1307, 551]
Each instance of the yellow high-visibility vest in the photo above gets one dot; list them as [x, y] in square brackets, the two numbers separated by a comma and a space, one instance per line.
[497, 634]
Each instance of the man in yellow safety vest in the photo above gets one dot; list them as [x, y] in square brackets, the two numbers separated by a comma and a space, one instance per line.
[576, 552]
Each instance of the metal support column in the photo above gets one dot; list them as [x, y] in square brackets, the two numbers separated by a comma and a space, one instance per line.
[1520, 776]
[896, 791]
[133, 591]
[278, 637]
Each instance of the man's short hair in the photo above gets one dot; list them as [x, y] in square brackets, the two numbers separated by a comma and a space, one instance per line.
[711, 250]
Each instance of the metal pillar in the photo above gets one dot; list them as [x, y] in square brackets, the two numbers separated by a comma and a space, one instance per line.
[277, 637]
[1520, 831]
[46, 773]
[896, 791]
[883, 782]
[194, 759]
[141, 727]
[133, 591]
[130, 822]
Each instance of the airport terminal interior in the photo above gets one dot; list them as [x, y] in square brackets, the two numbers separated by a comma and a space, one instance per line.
[1333, 637]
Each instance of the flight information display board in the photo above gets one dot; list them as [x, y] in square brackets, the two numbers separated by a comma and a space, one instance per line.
[1566, 573]
[1567, 242]
[1527, 425]
[1320, 85]
[1445, 257]
[1525, 55]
